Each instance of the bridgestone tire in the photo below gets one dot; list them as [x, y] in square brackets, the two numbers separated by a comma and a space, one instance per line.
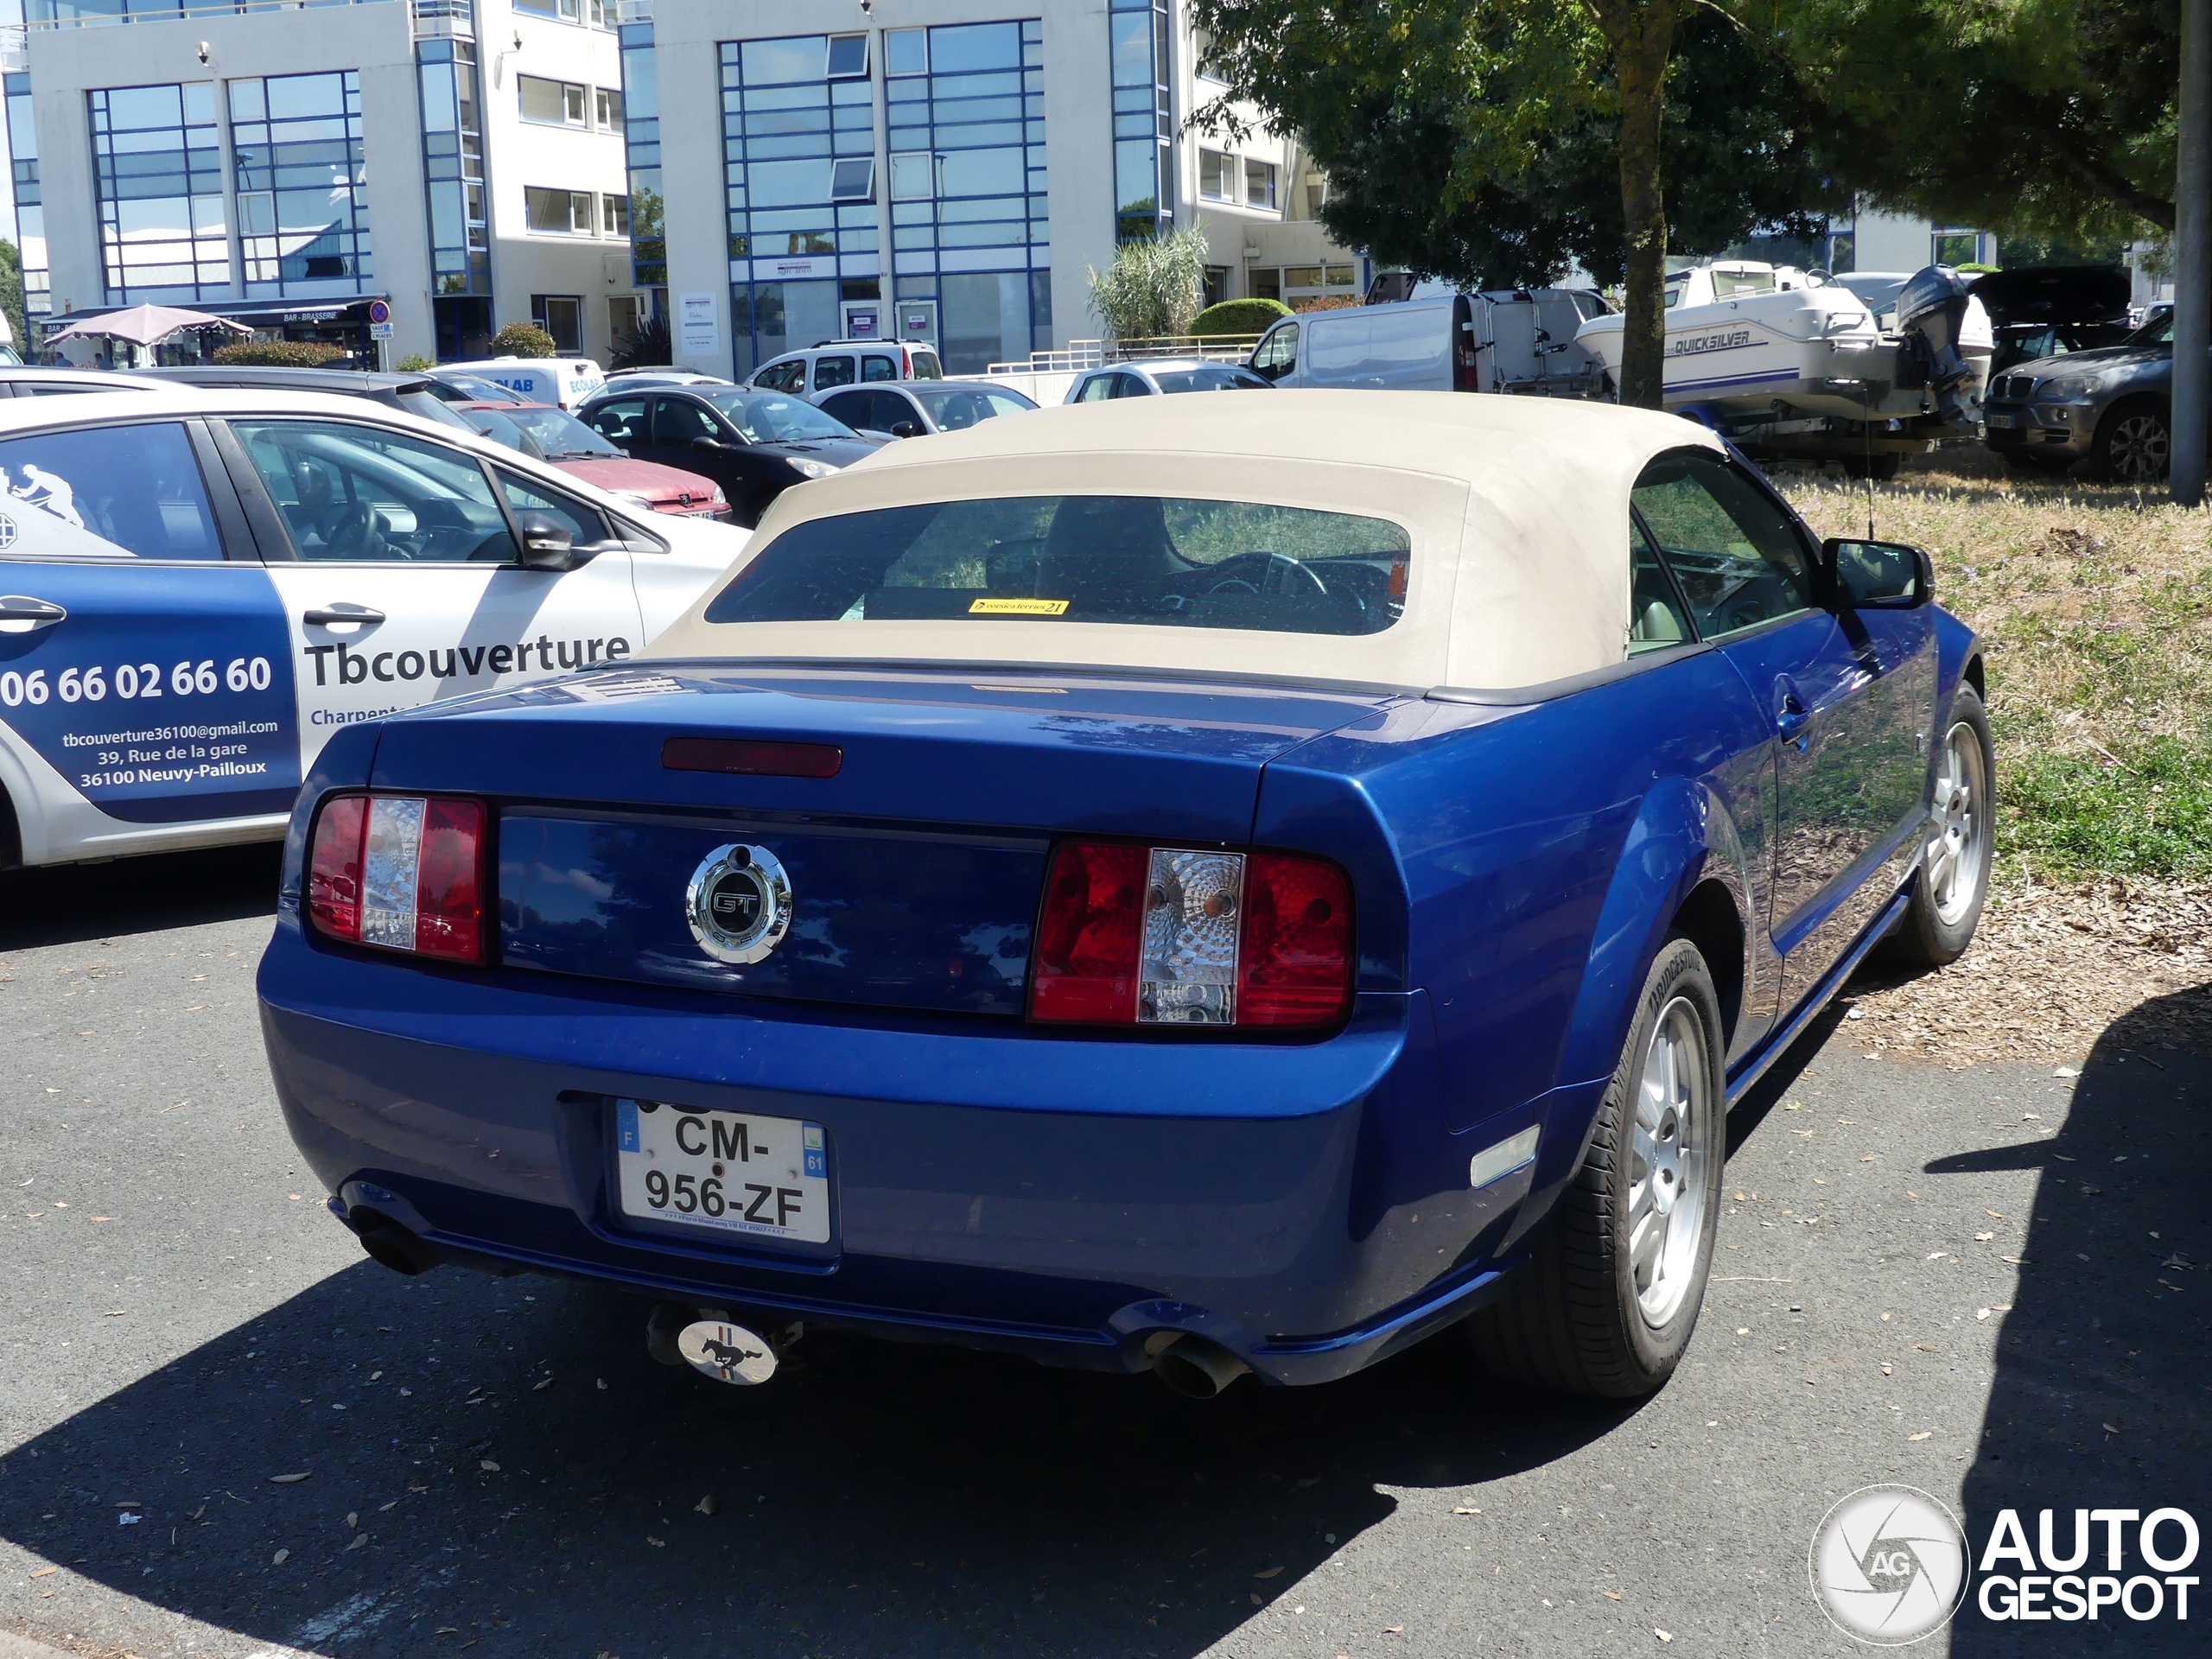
[1925, 937]
[1571, 1321]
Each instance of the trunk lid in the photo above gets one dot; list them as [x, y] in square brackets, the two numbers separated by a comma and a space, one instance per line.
[915, 871]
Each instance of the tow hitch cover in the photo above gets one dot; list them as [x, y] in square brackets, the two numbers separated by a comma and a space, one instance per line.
[726, 1352]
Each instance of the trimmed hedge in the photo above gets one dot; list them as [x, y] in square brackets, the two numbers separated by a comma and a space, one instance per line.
[280, 353]
[1239, 317]
[522, 339]
[1327, 302]
[415, 362]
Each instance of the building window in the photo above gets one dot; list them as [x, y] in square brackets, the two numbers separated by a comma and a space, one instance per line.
[561, 315]
[614, 215]
[1206, 68]
[853, 180]
[1960, 247]
[847, 57]
[593, 12]
[641, 146]
[560, 103]
[1843, 250]
[158, 178]
[303, 212]
[1216, 175]
[1317, 196]
[1260, 184]
[30, 215]
[453, 169]
[906, 51]
[560, 212]
[608, 111]
[1141, 32]
[913, 177]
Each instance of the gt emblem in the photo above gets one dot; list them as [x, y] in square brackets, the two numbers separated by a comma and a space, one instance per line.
[739, 904]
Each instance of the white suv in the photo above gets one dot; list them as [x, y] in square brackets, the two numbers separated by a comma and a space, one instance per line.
[846, 363]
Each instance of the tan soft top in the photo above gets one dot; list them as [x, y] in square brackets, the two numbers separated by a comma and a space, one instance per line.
[1517, 508]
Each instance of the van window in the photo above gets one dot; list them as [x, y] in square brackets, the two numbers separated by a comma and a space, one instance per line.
[832, 372]
[1278, 353]
[111, 491]
[873, 367]
[782, 377]
[925, 365]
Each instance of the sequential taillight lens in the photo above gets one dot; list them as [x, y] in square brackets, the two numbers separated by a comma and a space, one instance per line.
[1133, 935]
[405, 872]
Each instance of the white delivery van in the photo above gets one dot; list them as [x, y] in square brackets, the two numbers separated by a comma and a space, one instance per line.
[1518, 339]
[564, 381]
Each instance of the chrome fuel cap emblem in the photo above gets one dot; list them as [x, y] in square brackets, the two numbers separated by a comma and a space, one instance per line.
[739, 903]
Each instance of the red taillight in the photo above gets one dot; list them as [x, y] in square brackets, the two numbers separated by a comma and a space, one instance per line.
[1088, 936]
[1186, 935]
[334, 867]
[405, 872]
[1293, 960]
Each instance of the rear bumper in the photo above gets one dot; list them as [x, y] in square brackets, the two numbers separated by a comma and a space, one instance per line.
[1062, 1198]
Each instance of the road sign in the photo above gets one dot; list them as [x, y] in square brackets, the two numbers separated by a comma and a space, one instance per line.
[380, 315]
[380, 331]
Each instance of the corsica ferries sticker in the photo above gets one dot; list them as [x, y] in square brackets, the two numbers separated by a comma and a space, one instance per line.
[1018, 607]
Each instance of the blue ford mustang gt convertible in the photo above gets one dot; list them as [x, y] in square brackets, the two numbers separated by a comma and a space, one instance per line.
[1203, 885]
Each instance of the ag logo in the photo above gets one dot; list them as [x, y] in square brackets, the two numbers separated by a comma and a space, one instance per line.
[739, 904]
[1889, 1564]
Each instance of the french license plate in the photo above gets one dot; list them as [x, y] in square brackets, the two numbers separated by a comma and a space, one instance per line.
[1998, 417]
[728, 1170]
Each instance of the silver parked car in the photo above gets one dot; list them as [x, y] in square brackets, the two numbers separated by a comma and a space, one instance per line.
[2112, 407]
[911, 409]
[1153, 376]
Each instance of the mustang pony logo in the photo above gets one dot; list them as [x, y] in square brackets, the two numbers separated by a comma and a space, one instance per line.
[726, 1352]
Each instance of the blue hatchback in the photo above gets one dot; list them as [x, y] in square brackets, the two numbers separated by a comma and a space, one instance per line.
[1197, 887]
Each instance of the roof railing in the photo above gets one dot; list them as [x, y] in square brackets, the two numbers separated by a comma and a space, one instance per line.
[1081, 355]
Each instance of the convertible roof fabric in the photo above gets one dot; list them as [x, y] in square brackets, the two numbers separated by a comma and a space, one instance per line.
[1517, 508]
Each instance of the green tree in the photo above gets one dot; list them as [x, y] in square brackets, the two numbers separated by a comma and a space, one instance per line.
[1493, 142]
[522, 339]
[2046, 119]
[11, 298]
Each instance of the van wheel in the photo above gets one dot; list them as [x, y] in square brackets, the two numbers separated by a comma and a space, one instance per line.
[11, 836]
[2134, 442]
[1608, 1303]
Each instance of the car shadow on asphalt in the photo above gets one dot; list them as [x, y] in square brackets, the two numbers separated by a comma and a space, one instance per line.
[70, 903]
[2103, 1397]
[544, 1486]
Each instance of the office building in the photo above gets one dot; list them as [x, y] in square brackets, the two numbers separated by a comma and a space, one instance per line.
[285, 165]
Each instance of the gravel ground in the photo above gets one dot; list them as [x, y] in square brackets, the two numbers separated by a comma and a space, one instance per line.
[1985, 1282]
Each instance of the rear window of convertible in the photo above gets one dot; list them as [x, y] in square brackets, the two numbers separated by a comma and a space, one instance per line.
[1163, 562]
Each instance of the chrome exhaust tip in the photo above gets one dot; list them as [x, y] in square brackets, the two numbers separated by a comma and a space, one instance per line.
[1197, 1368]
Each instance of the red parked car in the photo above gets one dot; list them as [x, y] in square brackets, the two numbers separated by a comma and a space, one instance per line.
[556, 436]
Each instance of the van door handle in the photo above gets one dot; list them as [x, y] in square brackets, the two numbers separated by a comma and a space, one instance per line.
[20, 613]
[329, 617]
[1790, 719]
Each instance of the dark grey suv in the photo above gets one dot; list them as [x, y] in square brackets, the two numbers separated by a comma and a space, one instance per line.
[2112, 407]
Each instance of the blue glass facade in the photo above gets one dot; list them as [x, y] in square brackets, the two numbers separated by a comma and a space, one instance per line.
[953, 117]
[1144, 119]
[303, 212]
[30, 209]
[157, 175]
[641, 138]
[453, 167]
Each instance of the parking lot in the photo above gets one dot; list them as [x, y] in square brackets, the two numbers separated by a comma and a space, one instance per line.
[1984, 1282]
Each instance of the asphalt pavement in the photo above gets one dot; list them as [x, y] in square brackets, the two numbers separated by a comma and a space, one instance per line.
[224, 1432]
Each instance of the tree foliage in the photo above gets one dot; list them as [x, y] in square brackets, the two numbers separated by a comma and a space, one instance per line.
[11, 299]
[522, 339]
[2046, 118]
[1230, 317]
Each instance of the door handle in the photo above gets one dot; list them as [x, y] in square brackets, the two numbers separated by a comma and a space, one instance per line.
[20, 613]
[328, 617]
[1790, 719]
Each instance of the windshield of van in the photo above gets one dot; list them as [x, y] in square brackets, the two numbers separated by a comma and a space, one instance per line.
[1139, 561]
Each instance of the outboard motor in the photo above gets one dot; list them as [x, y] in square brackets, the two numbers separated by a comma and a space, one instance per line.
[1931, 311]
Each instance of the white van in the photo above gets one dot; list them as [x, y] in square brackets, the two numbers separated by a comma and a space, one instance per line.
[565, 381]
[1503, 339]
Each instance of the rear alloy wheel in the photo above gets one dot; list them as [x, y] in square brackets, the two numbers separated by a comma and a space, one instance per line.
[2134, 442]
[1608, 1303]
[1954, 876]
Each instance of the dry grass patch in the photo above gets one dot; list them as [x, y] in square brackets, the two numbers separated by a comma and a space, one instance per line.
[2094, 605]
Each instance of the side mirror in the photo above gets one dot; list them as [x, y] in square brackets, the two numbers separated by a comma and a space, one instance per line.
[547, 544]
[1879, 575]
[709, 446]
[905, 430]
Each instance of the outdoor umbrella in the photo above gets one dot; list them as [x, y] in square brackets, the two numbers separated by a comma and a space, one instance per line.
[144, 325]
